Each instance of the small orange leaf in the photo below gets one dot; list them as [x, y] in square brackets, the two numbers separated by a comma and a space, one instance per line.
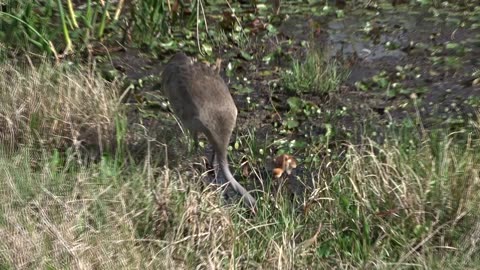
[284, 163]
[277, 172]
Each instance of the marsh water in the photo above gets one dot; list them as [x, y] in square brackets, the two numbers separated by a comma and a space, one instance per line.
[405, 63]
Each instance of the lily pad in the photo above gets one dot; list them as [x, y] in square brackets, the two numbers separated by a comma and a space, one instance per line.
[292, 123]
[242, 89]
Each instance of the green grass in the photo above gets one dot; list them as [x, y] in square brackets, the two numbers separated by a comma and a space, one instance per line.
[53, 27]
[315, 74]
[33, 27]
[151, 18]
[409, 203]
[60, 28]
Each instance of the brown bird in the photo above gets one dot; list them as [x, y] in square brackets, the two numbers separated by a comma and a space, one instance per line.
[201, 100]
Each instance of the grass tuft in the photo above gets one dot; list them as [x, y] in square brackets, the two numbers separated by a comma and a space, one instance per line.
[316, 74]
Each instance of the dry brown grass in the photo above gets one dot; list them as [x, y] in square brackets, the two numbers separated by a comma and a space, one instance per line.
[411, 202]
[382, 209]
[58, 107]
[96, 224]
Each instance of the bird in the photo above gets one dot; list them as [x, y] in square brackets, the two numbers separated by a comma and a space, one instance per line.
[200, 98]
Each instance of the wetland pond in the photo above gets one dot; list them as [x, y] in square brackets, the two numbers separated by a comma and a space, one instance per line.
[407, 66]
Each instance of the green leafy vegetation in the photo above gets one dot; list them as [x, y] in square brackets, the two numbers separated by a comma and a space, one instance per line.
[95, 172]
[151, 21]
[390, 83]
[34, 26]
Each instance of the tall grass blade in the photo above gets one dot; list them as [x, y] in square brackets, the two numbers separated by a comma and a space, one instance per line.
[43, 41]
[66, 34]
[103, 21]
[72, 13]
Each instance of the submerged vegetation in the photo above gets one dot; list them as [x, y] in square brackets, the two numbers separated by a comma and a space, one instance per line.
[382, 121]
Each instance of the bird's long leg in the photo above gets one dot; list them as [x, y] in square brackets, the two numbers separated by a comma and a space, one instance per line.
[212, 160]
[219, 177]
[195, 141]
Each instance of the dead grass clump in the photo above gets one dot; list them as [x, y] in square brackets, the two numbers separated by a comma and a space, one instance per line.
[57, 107]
